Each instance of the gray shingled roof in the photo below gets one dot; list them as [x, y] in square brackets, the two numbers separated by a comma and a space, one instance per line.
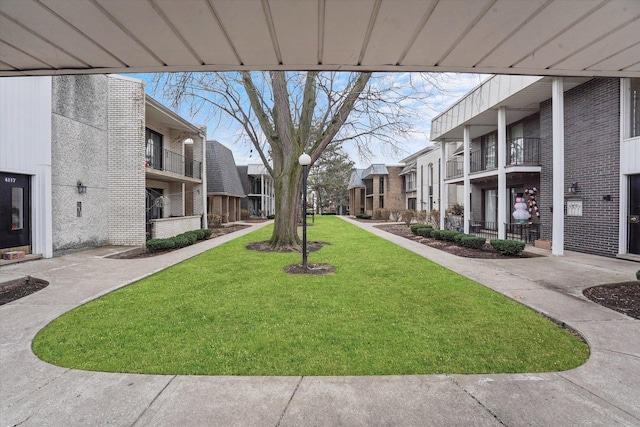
[222, 174]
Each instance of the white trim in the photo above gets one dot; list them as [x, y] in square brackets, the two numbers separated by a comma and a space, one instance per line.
[502, 175]
[557, 107]
[467, 180]
[443, 185]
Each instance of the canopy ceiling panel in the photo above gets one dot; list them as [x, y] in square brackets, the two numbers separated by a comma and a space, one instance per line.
[538, 37]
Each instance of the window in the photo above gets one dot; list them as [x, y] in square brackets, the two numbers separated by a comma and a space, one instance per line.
[516, 147]
[489, 151]
[381, 189]
[17, 208]
[153, 149]
[634, 108]
[410, 182]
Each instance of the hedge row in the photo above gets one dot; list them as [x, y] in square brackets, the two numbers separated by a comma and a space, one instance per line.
[363, 216]
[179, 241]
[503, 247]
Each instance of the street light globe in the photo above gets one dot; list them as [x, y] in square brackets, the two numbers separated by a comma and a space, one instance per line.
[304, 159]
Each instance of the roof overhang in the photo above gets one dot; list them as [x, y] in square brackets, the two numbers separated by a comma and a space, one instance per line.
[520, 95]
[158, 113]
[532, 37]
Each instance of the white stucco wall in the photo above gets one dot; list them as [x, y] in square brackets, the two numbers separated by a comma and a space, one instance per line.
[25, 148]
[79, 154]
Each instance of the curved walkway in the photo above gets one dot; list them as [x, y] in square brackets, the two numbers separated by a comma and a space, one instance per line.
[604, 391]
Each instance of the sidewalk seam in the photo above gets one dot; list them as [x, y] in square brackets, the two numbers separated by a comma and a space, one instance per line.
[284, 411]
[153, 400]
[482, 405]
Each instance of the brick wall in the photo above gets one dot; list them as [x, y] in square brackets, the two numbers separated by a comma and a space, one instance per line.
[126, 175]
[592, 159]
[169, 227]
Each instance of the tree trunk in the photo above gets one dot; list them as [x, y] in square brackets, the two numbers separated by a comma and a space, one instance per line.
[287, 188]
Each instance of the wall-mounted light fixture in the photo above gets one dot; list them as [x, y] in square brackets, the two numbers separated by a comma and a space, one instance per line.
[573, 188]
[81, 188]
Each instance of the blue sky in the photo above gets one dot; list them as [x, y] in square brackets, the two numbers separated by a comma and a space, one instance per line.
[453, 87]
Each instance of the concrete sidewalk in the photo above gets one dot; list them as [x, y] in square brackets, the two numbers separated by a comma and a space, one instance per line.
[604, 391]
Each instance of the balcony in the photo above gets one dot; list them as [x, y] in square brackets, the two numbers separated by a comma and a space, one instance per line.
[455, 168]
[523, 152]
[173, 163]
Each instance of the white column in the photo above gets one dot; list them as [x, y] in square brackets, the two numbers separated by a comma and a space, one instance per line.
[623, 204]
[557, 111]
[443, 186]
[203, 177]
[467, 180]
[502, 174]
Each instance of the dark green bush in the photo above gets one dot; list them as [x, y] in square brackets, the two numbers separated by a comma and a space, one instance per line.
[472, 242]
[158, 245]
[437, 234]
[206, 232]
[415, 227]
[507, 247]
[363, 216]
[329, 213]
[425, 231]
[449, 235]
[458, 238]
[272, 216]
[638, 274]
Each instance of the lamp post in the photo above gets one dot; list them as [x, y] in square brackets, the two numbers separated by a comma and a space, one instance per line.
[305, 161]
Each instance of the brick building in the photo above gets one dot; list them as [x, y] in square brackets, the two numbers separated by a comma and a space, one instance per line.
[224, 186]
[574, 140]
[376, 187]
[90, 160]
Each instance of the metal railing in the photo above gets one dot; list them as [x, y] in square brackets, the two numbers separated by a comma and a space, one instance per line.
[455, 167]
[168, 161]
[523, 151]
[527, 233]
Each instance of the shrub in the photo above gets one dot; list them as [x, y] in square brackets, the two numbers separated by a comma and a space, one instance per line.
[472, 242]
[158, 245]
[245, 214]
[272, 216]
[425, 231]
[434, 218]
[437, 234]
[214, 220]
[449, 235]
[507, 247]
[638, 274]
[407, 216]
[421, 217]
[458, 238]
[414, 228]
[456, 209]
[329, 213]
[382, 214]
[363, 216]
[395, 215]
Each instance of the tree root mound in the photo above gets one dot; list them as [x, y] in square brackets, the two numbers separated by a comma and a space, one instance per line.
[265, 246]
[314, 269]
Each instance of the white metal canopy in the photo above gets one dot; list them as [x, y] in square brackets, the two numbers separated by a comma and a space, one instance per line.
[535, 37]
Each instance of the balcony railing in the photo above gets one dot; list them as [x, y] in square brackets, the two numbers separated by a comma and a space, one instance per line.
[455, 167]
[168, 161]
[480, 161]
[523, 151]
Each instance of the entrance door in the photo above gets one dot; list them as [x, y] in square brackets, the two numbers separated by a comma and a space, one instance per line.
[15, 211]
[634, 214]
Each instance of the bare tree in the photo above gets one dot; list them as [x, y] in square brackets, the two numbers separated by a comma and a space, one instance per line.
[284, 114]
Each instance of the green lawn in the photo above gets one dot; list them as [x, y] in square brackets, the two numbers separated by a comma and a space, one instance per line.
[231, 311]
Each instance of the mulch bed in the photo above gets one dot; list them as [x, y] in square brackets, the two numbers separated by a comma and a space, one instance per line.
[21, 289]
[215, 232]
[621, 297]
[487, 253]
